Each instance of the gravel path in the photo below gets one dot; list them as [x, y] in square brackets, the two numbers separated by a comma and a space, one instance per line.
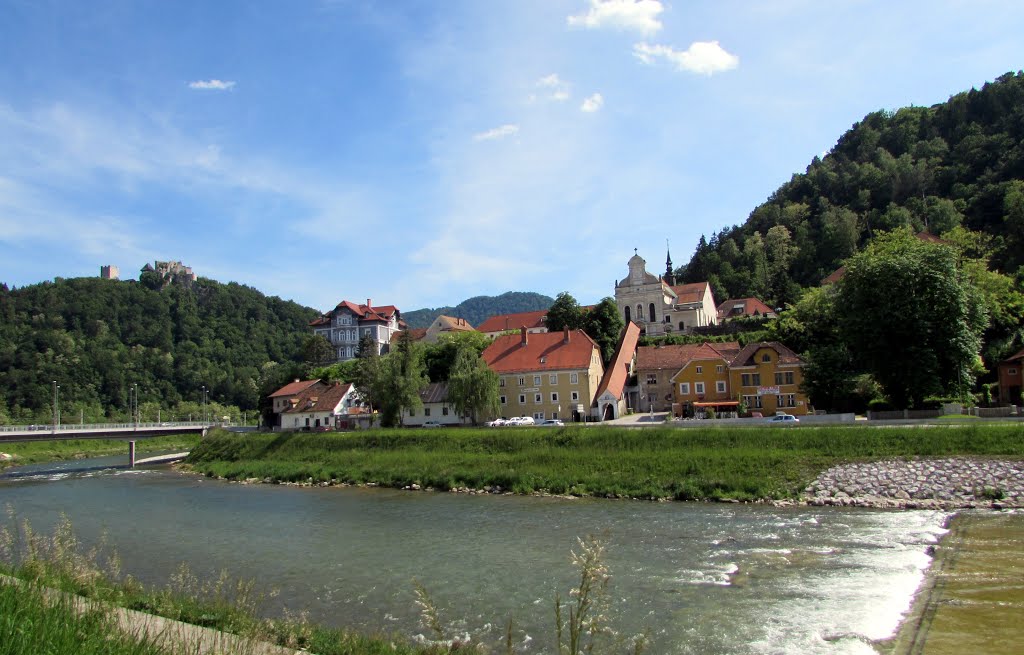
[951, 483]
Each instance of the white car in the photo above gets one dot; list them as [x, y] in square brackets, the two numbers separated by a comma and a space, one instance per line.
[520, 420]
[552, 423]
[783, 419]
[496, 423]
[432, 424]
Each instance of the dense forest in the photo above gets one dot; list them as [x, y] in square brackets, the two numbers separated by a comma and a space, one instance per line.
[479, 308]
[956, 164]
[100, 340]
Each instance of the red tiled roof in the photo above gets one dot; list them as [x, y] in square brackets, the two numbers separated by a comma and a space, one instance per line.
[745, 356]
[677, 355]
[504, 322]
[506, 354]
[615, 378]
[320, 400]
[415, 334]
[835, 276]
[451, 323]
[750, 306]
[693, 292]
[294, 388]
[383, 313]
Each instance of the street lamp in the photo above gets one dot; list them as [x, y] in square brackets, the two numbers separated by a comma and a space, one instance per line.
[56, 411]
[135, 409]
[204, 404]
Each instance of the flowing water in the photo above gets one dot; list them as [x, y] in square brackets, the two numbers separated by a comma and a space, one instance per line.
[693, 577]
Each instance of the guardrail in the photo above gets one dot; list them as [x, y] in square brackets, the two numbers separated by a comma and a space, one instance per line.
[80, 427]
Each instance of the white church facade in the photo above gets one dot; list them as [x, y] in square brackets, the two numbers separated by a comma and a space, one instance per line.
[658, 305]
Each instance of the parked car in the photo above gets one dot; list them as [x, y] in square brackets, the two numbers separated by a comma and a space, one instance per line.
[521, 420]
[783, 419]
[552, 423]
[432, 424]
[496, 423]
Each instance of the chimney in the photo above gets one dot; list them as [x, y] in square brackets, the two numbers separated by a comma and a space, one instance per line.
[368, 304]
[522, 336]
[565, 338]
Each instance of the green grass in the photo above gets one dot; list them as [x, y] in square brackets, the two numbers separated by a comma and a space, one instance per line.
[684, 464]
[36, 452]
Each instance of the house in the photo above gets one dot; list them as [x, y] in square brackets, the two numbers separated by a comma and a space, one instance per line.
[435, 408]
[743, 308]
[702, 383]
[321, 407]
[1011, 380]
[657, 366]
[348, 323]
[658, 305]
[285, 397]
[502, 323]
[767, 376]
[546, 374]
[446, 325]
[612, 399]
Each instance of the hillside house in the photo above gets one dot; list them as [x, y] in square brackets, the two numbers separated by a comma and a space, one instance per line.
[346, 324]
[504, 323]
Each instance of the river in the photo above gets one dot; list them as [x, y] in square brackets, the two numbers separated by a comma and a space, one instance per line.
[693, 577]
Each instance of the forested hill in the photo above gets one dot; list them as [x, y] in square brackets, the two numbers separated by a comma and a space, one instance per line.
[97, 338]
[479, 308]
[956, 164]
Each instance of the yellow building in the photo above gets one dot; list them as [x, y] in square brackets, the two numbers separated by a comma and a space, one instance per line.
[546, 375]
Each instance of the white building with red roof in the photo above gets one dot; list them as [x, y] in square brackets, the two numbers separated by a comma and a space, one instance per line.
[348, 323]
[658, 305]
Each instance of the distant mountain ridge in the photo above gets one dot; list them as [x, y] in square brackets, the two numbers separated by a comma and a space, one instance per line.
[479, 308]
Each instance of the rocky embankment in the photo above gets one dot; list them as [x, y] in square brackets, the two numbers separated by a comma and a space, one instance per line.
[953, 483]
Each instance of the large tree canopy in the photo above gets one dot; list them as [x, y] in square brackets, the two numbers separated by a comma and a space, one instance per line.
[909, 314]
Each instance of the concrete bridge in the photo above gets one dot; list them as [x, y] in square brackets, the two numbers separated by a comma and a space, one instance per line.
[130, 432]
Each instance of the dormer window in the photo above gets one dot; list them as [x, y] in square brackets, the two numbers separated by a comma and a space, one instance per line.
[766, 358]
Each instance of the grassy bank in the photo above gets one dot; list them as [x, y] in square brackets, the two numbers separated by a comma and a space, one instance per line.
[684, 464]
[35, 452]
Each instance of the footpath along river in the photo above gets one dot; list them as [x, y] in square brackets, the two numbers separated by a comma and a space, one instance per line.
[694, 577]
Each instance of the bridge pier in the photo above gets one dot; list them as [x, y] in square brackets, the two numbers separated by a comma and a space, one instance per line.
[131, 454]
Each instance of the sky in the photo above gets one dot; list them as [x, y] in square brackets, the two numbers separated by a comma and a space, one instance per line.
[418, 153]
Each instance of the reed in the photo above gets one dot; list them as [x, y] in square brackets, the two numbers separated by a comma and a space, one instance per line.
[655, 463]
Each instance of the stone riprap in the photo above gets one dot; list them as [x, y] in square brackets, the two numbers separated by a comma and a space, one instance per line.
[921, 483]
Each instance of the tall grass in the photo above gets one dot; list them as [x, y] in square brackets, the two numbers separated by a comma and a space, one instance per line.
[683, 464]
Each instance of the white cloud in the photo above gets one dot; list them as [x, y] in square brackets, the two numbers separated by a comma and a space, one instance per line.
[592, 104]
[497, 133]
[632, 15]
[557, 89]
[211, 85]
[704, 57]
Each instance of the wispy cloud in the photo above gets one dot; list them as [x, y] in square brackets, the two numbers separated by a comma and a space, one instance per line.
[497, 133]
[703, 57]
[211, 85]
[592, 103]
[627, 15]
[555, 87]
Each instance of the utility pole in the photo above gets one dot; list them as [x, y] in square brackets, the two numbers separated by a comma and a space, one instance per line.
[56, 412]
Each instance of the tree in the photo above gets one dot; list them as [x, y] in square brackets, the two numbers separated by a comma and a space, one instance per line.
[397, 380]
[439, 357]
[472, 386]
[564, 313]
[317, 351]
[604, 325]
[912, 317]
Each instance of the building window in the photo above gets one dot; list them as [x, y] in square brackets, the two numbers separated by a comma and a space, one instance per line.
[627, 316]
[719, 368]
[753, 402]
[790, 400]
[639, 312]
[537, 398]
[684, 388]
[522, 399]
[444, 411]
[575, 396]
[700, 369]
[652, 378]
[501, 382]
[426, 411]
[553, 378]
[720, 386]
[554, 396]
[538, 416]
[699, 387]
[650, 310]
[412, 412]
[1012, 371]
[503, 400]
[574, 378]
[536, 380]
[766, 358]
[522, 382]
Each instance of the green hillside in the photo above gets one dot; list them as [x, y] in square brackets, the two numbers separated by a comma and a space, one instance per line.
[98, 338]
[479, 308]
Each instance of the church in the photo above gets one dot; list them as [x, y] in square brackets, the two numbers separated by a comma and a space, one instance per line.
[658, 305]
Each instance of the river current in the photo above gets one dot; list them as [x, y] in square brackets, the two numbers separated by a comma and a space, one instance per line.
[693, 577]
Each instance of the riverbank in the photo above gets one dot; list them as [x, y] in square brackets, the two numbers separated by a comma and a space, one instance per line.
[973, 595]
[38, 452]
[725, 464]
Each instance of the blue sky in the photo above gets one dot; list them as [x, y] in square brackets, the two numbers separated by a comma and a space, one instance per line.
[422, 152]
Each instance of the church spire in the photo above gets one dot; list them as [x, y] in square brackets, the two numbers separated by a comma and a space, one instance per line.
[670, 277]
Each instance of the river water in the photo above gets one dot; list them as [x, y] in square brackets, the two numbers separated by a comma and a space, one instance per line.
[693, 577]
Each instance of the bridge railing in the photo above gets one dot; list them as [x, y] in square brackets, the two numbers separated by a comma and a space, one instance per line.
[80, 427]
